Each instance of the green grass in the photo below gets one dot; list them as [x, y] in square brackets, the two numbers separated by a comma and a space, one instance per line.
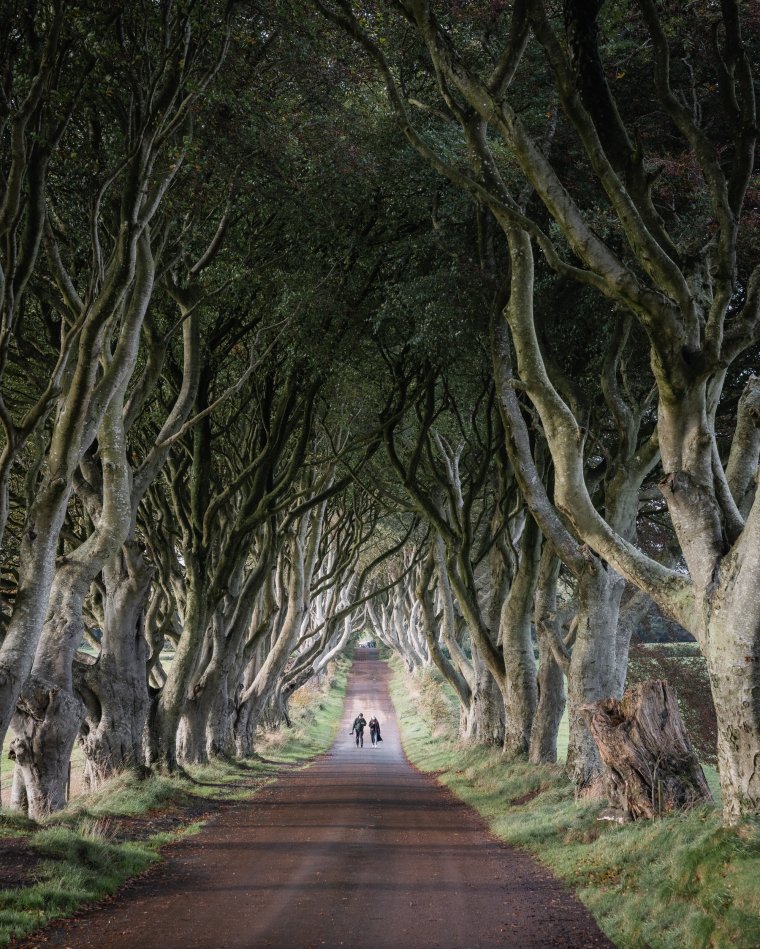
[316, 716]
[80, 858]
[683, 882]
[713, 779]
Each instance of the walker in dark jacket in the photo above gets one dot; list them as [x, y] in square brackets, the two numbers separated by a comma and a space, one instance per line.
[374, 730]
[358, 727]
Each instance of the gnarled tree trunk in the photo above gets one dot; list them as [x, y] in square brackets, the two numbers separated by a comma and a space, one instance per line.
[485, 718]
[519, 689]
[166, 711]
[551, 680]
[591, 675]
[732, 651]
[45, 726]
[649, 763]
[114, 688]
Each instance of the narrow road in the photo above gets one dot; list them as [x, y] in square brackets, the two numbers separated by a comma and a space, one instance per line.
[358, 850]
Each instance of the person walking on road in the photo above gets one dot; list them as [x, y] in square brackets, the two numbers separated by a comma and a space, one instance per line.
[358, 729]
[374, 731]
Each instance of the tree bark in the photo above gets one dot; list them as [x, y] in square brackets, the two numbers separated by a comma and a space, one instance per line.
[52, 672]
[732, 651]
[591, 673]
[551, 679]
[519, 691]
[485, 719]
[166, 710]
[114, 687]
[258, 693]
[649, 763]
[44, 728]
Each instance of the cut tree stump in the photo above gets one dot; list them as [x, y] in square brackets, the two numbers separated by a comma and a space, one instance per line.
[649, 762]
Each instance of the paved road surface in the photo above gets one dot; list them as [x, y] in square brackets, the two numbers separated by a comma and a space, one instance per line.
[358, 850]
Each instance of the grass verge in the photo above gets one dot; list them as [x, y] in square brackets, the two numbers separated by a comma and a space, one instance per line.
[683, 881]
[99, 841]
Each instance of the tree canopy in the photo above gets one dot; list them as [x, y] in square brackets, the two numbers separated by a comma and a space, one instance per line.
[321, 317]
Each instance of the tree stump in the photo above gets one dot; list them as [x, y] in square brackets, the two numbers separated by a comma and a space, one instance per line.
[649, 763]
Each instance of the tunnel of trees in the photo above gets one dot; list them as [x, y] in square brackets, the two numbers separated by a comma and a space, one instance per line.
[431, 322]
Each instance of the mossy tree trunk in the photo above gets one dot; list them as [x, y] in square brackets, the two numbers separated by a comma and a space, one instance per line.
[684, 289]
[551, 679]
[650, 765]
[115, 687]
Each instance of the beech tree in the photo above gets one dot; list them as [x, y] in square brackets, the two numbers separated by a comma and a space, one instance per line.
[689, 288]
[280, 365]
[101, 316]
[360, 539]
[114, 686]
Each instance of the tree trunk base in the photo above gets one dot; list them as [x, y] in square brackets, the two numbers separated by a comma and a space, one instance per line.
[649, 763]
[45, 727]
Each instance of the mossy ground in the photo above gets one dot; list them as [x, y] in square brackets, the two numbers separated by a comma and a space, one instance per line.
[84, 852]
[683, 882]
